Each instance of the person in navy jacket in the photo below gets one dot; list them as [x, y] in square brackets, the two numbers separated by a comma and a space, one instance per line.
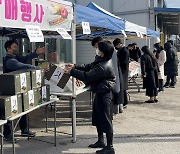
[13, 62]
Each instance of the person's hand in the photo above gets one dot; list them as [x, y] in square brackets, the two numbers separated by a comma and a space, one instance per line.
[67, 70]
[69, 66]
[40, 50]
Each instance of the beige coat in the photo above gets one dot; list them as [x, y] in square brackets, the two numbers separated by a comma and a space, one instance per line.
[161, 61]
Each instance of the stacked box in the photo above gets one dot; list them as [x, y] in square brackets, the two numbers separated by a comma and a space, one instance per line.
[31, 98]
[37, 78]
[10, 106]
[45, 93]
[14, 83]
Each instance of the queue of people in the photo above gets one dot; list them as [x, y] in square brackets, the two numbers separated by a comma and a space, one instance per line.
[107, 76]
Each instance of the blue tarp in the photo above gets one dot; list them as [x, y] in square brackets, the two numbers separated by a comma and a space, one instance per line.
[153, 33]
[97, 19]
[93, 6]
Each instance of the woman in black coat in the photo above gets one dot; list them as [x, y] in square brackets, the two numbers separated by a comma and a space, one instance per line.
[171, 65]
[149, 71]
[100, 76]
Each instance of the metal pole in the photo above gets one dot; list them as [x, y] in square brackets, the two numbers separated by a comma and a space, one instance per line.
[124, 40]
[2, 139]
[46, 118]
[73, 34]
[33, 50]
[146, 40]
[12, 131]
[55, 123]
[74, 119]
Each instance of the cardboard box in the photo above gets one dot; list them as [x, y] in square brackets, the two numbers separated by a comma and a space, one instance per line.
[31, 98]
[10, 106]
[37, 78]
[45, 93]
[15, 82]
[56, 76]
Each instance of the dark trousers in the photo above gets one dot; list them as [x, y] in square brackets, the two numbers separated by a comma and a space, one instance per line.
[161, 85]
[22, 124]
[109, 136]
[173, 80]
[125, 98]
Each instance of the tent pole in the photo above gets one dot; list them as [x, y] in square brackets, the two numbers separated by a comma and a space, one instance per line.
[124, 40]
[73, 35]
[33, 50]
[149, 43]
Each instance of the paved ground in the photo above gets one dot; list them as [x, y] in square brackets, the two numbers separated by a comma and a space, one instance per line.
[142, 128]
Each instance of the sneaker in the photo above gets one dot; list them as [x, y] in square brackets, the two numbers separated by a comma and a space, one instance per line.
[98, 144]
[26, 133]
[9, 138]
[106, 150]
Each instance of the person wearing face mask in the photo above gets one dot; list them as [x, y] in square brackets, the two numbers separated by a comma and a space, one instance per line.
[118, 99]
[13, 62]
[160, 55]
[123, 57]
[100, 76]
[94, 44]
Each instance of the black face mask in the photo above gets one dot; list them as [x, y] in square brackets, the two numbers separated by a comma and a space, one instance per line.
[116, 48]
[15, 52]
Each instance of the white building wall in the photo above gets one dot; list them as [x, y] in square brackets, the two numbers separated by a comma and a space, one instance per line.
[129, 5]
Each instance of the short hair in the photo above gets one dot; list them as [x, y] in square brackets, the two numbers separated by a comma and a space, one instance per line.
[171, 41]
[134, 43]
[96, 40]
[158, 46]
[107, 48]
[130, 45]
[117, 41]
[9, 43]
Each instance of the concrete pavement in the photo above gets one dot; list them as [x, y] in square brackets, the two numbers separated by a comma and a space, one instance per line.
[142, 128]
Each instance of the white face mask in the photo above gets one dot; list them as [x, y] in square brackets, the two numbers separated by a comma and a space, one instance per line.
[97, 51]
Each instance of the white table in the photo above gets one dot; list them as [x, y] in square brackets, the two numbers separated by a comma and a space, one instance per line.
[26, 113]
[2, 122]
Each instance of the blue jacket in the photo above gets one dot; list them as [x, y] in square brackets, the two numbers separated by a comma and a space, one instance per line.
[11, 63]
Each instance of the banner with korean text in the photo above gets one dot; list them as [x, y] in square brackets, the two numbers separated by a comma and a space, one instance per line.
[47, 14]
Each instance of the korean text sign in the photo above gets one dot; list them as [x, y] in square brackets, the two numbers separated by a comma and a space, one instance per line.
[44, 13]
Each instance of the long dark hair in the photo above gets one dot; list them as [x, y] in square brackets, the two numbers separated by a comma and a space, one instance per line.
[159, 48]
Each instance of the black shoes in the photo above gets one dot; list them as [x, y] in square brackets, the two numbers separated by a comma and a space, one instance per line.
[152, 101]
[149, 101]
[98, 144]
[9, 138]
[156, 100]
[172, 86]
[166, 85]
[106, 150]
[26, 133]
